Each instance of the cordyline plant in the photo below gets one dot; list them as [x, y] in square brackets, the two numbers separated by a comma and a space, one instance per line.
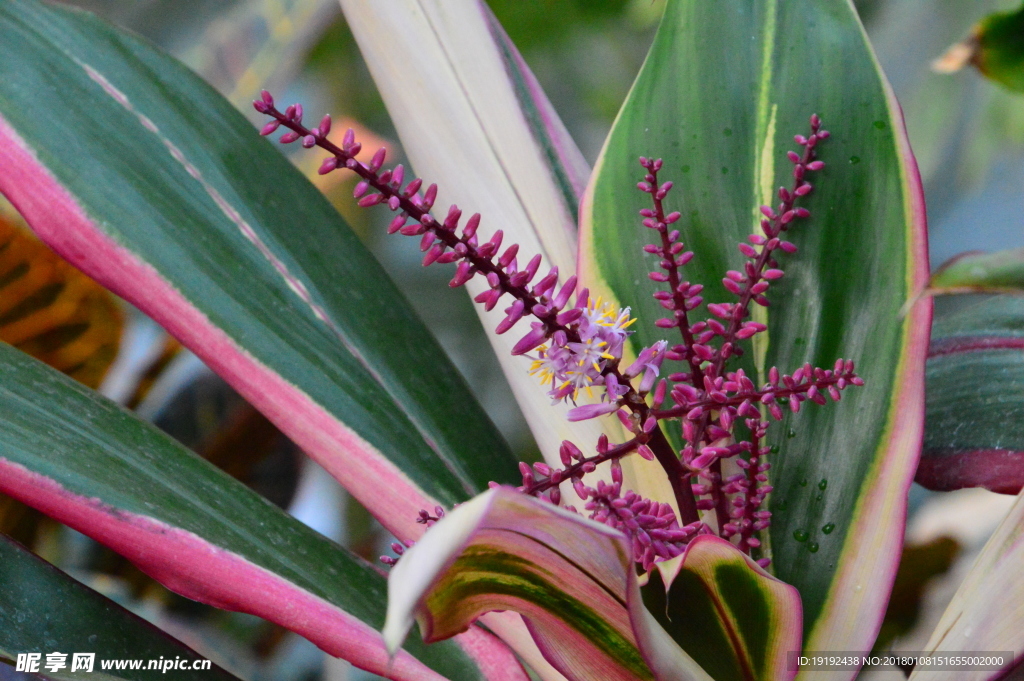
[686, 557]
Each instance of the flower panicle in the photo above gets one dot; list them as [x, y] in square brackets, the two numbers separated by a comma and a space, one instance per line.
[577, 344]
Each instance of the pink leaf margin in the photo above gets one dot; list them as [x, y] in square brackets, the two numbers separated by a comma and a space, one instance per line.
[193, 567]
[58, 219]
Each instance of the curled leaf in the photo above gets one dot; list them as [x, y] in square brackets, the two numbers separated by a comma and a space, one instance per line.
[571, 578]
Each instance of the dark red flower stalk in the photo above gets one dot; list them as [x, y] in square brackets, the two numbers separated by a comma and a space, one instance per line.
[578, 344]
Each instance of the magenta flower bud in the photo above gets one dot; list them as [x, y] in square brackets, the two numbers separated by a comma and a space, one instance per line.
[535, 337]
[731, 286]
[270, 127]
[328, 165]
[289, 137]
[508, 256]
[569, 316]
[815, 165]
[260, 106]
[378, 160]
[515, 313]
[589, 411]
[427, 241]
[433, 253]
[396, 224]
[349, 139]
[430, 196]
[463, 273]
[412, 187]
[559, 301]
[703, 460]
[371, 200]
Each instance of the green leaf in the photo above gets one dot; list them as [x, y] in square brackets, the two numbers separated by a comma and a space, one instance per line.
[142, 176]
[725, 87]
[985, 613]
[729, 604]
[980, 272]
[571, 578]
[87, 463]
[995, 47]
[43, 610]
[974, 431]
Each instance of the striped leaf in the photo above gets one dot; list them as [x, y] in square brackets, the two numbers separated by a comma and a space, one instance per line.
[85, 622]
[142, 176]
[725, 87]
[974, 432]
[730, 604]
[87, 463]
[572, 579]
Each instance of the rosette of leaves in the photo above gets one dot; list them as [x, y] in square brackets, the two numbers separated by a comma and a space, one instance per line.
[142, 176]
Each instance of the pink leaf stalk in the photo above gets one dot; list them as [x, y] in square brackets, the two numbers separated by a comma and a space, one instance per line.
[577, 344]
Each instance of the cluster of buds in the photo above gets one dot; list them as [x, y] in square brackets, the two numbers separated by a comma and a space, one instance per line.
[578, 346]
[651, 527]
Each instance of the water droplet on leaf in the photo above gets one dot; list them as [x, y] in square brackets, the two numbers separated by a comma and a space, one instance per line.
[774, 449]
[818, 498]
[813, 547]
[800, 535]
[827, 529]
[803, 483]
[823, 484]
[790, 433]
[854, 160]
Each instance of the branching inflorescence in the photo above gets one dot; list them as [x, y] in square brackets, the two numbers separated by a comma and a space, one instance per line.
[577, 344]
